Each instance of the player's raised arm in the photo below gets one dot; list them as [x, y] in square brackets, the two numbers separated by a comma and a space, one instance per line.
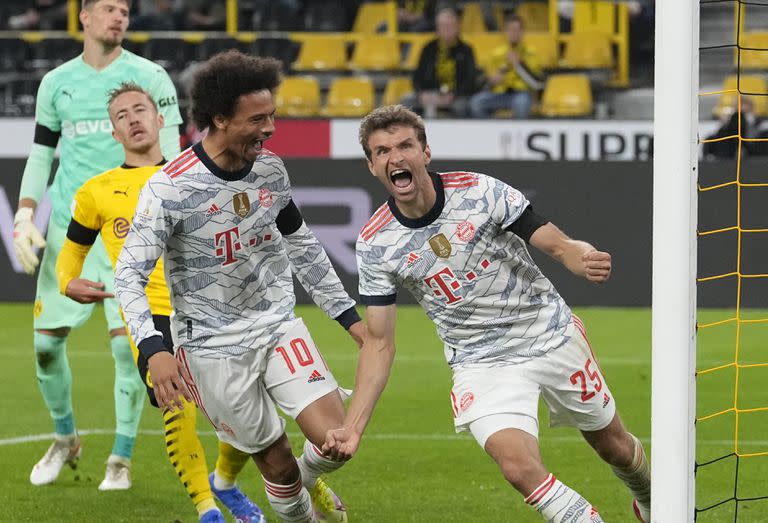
[314, 271]
[37, 170]
[579, 257]
[373, 367]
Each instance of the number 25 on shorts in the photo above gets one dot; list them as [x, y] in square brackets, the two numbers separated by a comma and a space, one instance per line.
[579, 377]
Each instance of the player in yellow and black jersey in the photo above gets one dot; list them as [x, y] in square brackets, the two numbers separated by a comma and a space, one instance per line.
[105, 205]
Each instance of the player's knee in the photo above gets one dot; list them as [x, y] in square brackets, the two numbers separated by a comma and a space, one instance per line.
[49, 351]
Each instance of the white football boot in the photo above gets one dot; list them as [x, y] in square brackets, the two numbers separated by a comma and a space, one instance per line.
[63, 451]
[118, 474]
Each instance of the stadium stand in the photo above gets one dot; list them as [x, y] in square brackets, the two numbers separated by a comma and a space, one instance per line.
[299, 96]
[567, 95]
[350, 97]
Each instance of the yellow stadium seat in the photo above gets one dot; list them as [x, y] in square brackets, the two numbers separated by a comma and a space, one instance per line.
[588, 51]
[483, 45]
[396, 88]
[545, 47]
[376, 53]
[472, 19]
[417, 43]
[535, 15]
[750, 83]
[322, 54]
[567, 95]
[371, 16]
[594, 17]
[754, 59]
[350, 97]
[298, 96]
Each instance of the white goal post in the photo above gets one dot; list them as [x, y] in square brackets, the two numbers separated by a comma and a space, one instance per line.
[675, 162]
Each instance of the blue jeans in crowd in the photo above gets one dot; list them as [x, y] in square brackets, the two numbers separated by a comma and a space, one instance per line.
[485, 103]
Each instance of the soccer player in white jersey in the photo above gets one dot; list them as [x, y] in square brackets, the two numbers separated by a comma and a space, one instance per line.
[457, 242]
[71, 113]
[222, 217]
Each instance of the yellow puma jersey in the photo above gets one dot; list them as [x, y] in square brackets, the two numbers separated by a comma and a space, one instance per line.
[106, 204]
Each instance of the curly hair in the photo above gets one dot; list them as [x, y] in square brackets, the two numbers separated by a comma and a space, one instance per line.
[387, 116]
[222, 79]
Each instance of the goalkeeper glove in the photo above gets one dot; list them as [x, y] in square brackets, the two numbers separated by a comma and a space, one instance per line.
[25, 237]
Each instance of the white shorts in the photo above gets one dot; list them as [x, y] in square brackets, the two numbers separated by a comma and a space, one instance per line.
[238, 393]
[486, 400]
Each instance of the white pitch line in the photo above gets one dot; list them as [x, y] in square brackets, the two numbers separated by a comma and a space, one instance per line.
[30, 438]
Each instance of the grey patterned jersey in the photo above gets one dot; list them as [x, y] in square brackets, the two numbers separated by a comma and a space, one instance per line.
[227, 263]
[476, 280]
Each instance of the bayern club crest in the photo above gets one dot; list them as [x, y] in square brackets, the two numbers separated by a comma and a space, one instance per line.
[265, 198]
[465, 231]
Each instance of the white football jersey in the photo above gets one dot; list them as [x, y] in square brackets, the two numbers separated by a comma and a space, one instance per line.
[227, 264]
[476, 280]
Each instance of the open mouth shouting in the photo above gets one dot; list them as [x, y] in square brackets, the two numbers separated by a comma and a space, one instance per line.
[401, 179]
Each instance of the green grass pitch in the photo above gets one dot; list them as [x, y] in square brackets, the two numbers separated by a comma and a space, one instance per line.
[412, 467]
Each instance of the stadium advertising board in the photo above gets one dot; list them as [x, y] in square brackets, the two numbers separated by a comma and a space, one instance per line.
[534, 140]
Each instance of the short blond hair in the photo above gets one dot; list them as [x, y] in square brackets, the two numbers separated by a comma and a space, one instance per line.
[128, 87]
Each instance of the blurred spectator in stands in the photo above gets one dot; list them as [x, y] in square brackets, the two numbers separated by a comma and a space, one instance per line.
[157, 15]
[752, 126]
[46, 15]
[446, 75]
[514, 79]
[275, 15]
[205, 15]
[415, 16]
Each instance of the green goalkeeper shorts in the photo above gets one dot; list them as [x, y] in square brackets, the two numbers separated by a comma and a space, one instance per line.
[54, 310]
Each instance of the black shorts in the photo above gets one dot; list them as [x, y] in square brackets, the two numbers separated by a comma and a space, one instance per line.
[163, 324]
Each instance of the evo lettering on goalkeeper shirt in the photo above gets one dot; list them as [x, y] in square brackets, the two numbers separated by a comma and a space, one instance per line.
[71, 129]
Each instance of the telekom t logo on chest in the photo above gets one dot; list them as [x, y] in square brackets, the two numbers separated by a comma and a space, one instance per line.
[443, 285]
[227, 243]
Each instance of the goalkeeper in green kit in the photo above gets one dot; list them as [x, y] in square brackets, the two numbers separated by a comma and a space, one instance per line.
[71, 112]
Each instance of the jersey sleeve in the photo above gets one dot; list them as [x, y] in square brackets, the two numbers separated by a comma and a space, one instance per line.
[45, 110]
[505, 203]
[377, 286]
[84, 209]
[153, 223]
[164, 93]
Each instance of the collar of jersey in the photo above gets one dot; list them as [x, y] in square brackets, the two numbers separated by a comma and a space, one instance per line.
[126, 166]
[432, 214]
[230, 176]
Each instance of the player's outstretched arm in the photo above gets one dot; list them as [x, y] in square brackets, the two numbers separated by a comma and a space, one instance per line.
[579, 257]
[313, 269]
[69, 265]
[373, 367]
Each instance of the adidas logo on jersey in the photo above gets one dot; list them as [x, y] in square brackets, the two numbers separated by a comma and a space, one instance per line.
[606, 399]
[213, 210]
[412, 257]
[315, 376]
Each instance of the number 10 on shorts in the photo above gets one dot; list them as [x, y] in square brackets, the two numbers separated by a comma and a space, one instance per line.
[580, 378]
[300, 354]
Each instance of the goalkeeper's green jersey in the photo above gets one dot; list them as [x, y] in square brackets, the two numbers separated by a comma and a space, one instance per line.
[72, 101]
